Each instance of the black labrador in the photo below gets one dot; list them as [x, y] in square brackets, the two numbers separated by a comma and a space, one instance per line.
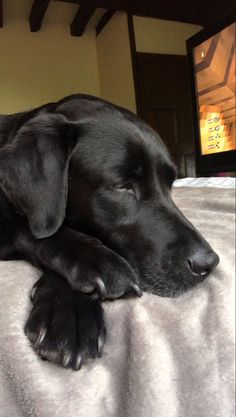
[85, 193]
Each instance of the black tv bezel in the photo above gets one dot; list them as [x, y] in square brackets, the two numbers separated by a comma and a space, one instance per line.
[223, 161]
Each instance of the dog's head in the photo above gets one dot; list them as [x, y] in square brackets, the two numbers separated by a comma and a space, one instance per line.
[106, 173]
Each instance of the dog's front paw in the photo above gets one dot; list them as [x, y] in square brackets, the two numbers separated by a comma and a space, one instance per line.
[104, 273]
[64, 326]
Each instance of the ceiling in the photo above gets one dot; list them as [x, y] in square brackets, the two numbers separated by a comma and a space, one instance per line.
[98, 12]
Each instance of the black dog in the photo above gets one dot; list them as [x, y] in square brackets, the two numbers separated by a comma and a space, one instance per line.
[85, 194]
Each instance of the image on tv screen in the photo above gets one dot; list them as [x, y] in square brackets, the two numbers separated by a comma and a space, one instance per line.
[214, 63]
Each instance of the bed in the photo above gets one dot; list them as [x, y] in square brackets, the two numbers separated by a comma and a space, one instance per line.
[163, 358]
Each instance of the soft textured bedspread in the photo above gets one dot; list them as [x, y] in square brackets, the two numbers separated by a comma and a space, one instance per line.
[163, 357]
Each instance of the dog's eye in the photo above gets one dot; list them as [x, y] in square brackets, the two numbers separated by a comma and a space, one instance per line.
[126, 187]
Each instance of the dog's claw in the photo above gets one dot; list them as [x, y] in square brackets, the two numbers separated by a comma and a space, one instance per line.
[78, 362]
[100, 344]
[33, 292]
[66, 359]
[40, 337]
[137, 289]
[100, 285]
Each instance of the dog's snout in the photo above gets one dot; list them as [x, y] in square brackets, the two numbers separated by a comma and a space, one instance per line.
[202, 263]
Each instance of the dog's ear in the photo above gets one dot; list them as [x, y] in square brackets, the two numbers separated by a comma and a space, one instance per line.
[34, 170]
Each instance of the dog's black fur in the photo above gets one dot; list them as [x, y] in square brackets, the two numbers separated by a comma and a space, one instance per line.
[85, 194]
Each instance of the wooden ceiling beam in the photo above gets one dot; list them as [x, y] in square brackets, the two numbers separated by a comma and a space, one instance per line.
[199, 12]
[69, 1]
[169, 9]
[82, 17]
[1, 14]
[37, 13]
[103, 21]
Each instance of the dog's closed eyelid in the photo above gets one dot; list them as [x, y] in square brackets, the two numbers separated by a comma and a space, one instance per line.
[128, 189]
[124, 187]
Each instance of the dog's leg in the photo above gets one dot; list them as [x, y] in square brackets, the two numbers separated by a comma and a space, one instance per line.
[86, 263]
[7, 233]
[64, 326]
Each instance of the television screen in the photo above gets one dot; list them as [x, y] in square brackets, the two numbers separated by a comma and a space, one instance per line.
[214, 64]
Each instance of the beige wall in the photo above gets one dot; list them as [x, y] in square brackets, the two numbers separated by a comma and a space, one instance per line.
[114, 63]
[44, 66]
[114, 57]
[39, 67]
[162, 36]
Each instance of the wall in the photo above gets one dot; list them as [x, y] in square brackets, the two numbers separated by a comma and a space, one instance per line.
[114, 56]
[39, 67]
[44, 66]
[114, 63]
[162, 36]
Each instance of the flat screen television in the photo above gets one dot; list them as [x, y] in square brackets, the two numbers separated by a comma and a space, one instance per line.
[212, 59]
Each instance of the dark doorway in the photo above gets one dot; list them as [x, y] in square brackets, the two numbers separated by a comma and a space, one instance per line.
[164, 102]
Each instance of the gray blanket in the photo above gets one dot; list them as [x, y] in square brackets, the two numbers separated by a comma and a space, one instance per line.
[163, 358]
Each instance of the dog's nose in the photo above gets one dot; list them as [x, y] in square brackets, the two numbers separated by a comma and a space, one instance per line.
[202, 263]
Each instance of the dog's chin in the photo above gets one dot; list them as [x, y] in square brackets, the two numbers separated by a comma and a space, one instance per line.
[168, 286]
